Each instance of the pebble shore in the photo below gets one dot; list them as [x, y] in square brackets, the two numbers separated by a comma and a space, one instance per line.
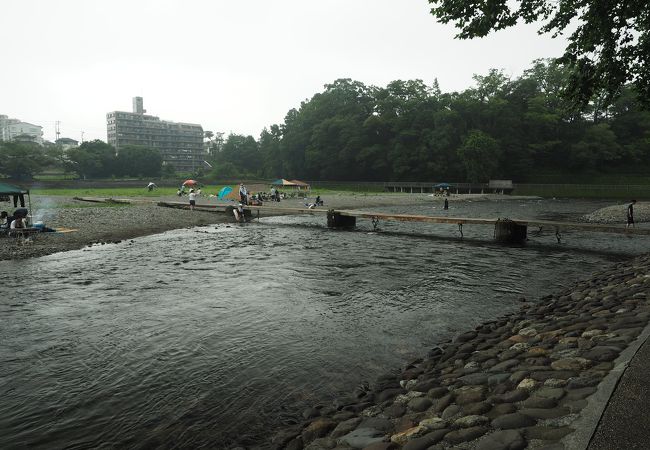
[617, 214]
[518, 382]
[99, 225]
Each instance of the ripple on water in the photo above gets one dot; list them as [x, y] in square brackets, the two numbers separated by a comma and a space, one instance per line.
[191, 338]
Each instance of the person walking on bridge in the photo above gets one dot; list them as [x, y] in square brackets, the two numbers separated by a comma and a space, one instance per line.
[630, 214]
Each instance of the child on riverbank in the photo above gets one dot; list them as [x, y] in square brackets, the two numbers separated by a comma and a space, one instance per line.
[192, 198]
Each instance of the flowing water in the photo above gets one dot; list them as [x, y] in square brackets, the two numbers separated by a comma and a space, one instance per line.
[211, 337]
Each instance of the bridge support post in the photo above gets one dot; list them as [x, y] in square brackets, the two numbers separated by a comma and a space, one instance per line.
[336, 220]
[507, 231]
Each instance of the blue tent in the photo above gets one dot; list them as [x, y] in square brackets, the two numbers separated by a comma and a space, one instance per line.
[224, 191]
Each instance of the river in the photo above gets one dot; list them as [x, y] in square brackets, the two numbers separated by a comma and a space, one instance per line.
[210, 337]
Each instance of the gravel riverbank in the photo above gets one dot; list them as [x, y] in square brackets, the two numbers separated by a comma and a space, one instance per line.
[523, 381]
[617, 214]
[97, 225]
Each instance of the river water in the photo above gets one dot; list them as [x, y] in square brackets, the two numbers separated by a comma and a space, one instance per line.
[210, 337]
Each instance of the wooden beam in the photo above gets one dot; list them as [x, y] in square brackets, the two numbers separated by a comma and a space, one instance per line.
[549, 224]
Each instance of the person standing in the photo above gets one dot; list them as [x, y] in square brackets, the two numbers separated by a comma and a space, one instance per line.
[243, 194]
[446, 204]
[192, 198]
[630, 214]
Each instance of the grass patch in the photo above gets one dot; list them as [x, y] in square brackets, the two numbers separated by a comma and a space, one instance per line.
[105, 192]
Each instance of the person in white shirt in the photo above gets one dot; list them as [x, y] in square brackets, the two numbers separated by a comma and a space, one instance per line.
[18, 223]
[192, 198]
[243, 194]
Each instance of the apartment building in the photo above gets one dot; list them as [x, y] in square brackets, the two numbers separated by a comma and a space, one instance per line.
[179, 143]
[17, 130]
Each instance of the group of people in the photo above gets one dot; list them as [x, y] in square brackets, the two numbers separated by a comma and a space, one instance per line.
[18, 221]
[317, 202]
[183, 190]
[257, 199]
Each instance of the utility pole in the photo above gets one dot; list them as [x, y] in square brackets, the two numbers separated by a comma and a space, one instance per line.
[57, 130]
[82, 136]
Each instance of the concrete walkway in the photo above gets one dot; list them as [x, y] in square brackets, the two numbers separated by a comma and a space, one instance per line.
[625, 424]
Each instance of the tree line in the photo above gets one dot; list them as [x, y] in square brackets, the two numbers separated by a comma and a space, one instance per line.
[92, 159]
[502, 127]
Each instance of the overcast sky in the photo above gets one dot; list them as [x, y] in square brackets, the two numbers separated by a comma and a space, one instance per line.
[232, 66]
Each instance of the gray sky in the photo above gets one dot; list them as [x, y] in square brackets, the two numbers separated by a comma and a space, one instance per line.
[232, 66]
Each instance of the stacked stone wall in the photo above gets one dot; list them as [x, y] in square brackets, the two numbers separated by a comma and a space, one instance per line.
[513, 383]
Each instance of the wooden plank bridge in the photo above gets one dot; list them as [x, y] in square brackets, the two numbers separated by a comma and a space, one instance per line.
[506, 230]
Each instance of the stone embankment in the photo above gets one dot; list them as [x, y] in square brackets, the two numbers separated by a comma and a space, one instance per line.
[522, 381]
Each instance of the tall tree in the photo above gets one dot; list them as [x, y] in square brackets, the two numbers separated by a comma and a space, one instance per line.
[609, 47]
[93, 159]
[480, 155]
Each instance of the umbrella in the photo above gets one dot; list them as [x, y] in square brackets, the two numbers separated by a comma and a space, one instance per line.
[224, 191]
[442, 185]
[190, 182]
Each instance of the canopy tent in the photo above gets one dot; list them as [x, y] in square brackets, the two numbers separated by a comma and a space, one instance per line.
[10, 189]
[18, 194]
[300, 184]
[294, 184]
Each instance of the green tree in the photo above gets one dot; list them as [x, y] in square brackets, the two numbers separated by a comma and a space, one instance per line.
[269, 144]
[93, 159]
[21, 160]
[609, 47]
[135, 161]
[168, 172]
[480, 155]
[597, 149]
[242, 152]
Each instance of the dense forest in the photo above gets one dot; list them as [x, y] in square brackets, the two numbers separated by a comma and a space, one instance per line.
[411, 131]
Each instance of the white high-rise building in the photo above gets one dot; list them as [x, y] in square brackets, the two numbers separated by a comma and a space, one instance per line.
[17, 130]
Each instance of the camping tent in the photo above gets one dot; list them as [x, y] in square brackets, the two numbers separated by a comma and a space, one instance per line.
[18, 194]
